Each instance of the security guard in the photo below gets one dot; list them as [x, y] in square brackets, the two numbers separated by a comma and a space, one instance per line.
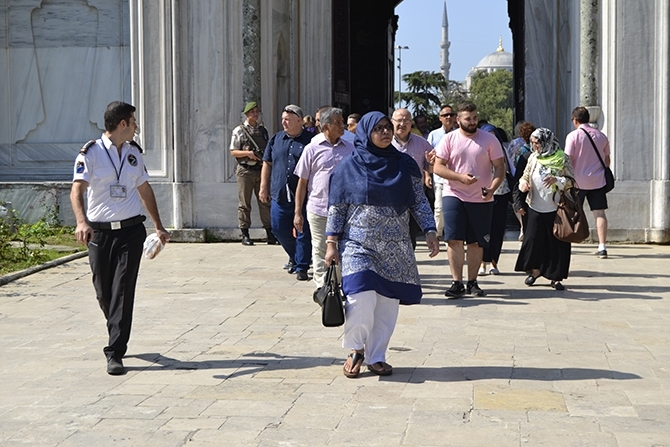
[247, 144]
[111, 172]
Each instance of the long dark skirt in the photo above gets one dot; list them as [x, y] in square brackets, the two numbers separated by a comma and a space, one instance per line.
[541, 250]
[498, 224]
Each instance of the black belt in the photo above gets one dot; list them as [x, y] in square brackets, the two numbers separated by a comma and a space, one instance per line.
[118, 225]
[251, 167]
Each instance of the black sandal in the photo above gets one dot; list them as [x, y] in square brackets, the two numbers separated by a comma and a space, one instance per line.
[381, 369]
[356, 364]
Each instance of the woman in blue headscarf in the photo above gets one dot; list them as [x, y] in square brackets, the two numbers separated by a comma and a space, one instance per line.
[372, 194]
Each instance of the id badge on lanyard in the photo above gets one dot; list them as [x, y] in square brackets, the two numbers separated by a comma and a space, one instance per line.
[117, 191]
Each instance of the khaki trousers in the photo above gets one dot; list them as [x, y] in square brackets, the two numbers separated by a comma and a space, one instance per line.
[248, 182]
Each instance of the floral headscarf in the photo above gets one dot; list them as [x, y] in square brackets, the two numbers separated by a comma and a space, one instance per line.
[547, 140]
[550, 155]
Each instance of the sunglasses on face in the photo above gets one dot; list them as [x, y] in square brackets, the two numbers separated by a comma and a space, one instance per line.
[447, 115]
[291, 112]
[382, 127]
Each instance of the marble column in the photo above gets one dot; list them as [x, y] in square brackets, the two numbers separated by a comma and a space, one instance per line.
[588, 62]
[251, 38]
[660, 184]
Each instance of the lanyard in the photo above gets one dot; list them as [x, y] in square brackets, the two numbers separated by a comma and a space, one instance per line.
[118, 171]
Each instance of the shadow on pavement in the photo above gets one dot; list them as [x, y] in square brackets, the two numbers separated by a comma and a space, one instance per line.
[255, 362]
[468, 373]
[250, 363]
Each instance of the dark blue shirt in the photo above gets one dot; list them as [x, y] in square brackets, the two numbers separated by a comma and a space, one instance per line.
[284, 152]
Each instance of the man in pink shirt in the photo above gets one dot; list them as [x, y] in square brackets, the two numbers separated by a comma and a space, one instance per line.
[589, 171]
[471, 162]
[417, 148]
[317, 162]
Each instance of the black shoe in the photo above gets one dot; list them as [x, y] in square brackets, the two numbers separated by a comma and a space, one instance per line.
[456, 290]
[557, 285]
[288, 266]
[473, 288]
[530, 280]
[115, 367]
[272, 240]
[602, 254]
[316, 292]
[246, 239]
[301, 275]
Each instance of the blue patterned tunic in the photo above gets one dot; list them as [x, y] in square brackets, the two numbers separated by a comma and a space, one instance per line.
[375, 247]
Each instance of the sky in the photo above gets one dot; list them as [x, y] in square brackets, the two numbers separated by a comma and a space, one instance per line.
[475, 27]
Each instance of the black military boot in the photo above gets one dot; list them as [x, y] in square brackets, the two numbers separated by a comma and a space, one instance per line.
[272, 240]
[246, 239]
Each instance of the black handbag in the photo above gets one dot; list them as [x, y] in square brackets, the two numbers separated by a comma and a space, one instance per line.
[609, 175]
[330, 299]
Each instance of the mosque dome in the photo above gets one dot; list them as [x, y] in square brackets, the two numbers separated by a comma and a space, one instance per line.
[498, 60]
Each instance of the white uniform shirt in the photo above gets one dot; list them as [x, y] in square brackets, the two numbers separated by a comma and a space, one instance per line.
[99, 167]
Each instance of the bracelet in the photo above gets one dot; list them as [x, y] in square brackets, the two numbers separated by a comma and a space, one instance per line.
[331, 241]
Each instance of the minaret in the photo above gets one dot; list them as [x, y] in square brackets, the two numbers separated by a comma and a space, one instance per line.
[445, 65]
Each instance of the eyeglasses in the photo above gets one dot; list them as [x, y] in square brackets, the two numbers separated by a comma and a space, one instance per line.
[382, 127]
[402, 120]
[447, 115]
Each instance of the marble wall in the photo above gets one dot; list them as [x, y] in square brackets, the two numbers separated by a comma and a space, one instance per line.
[632, 76]
[55, 84]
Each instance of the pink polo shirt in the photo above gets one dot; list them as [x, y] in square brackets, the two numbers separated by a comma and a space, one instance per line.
[589, 172]
[316, 164]
[469, 154]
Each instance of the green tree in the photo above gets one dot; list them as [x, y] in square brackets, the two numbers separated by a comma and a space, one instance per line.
[493, 93]
[427, 91]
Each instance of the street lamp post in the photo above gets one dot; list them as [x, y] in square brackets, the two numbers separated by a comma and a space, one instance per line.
[400, 48]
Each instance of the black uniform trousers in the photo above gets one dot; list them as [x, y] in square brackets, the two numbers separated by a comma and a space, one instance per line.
[114, 256]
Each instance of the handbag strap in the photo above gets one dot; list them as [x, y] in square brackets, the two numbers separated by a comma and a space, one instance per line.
[594, 147]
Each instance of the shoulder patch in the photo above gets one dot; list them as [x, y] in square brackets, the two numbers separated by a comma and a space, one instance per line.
[134, 143]
[85, 147]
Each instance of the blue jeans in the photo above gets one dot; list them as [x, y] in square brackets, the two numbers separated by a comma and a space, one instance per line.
[299, 250]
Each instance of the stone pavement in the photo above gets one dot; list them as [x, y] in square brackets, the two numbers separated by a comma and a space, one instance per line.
[227, 350]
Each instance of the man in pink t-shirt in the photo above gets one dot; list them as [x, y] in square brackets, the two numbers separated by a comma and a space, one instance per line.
[589, 171]
[471, 162]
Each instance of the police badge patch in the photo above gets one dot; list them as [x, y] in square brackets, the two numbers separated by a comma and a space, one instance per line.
[132, 160]
[80, 167]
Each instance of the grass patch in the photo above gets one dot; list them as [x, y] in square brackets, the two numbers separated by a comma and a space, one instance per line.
[34, 245]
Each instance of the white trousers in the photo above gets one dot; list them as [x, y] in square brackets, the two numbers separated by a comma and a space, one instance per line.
[439, 217]
[370, 322]
[317, 225]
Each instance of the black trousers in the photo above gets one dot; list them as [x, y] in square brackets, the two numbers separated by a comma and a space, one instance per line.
[114, 256]
[541, 250]
[414, 227]
[498, 224]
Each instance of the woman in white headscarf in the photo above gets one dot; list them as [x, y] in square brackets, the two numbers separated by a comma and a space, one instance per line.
[548, 171]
